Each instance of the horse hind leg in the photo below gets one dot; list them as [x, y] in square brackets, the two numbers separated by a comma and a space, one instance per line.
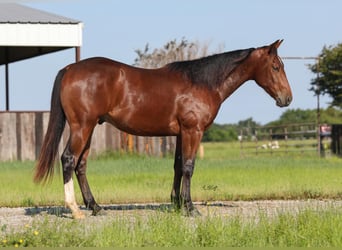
[71, 161]
[87, 195]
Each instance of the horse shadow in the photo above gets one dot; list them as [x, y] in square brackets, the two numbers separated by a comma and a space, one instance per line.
[61, 211]
[64, 212]
[58, 211]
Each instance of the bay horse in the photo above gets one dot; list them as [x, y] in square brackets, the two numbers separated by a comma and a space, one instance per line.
[180, 99]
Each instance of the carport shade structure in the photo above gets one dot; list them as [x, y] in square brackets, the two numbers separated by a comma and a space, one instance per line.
[26, 32]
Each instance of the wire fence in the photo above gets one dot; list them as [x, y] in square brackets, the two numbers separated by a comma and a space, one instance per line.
[305, 138]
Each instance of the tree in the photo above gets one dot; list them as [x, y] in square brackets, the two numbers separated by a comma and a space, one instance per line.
[170, 52]
[298, 116]
[248, 123]
[329, 74]
[331, 116]
[220, 133]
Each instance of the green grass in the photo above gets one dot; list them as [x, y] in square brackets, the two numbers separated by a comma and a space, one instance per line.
[309, 228]
[219, 176]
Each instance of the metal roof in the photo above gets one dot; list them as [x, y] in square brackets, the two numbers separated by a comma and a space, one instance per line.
[26, 32]
[15, 13]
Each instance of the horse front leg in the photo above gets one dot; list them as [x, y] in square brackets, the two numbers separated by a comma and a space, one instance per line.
[190, 143]
[175, 193]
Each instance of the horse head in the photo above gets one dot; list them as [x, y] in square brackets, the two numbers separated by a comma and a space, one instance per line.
[270, 74]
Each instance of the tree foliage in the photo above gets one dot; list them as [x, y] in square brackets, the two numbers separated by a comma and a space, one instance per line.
[329, 74]
[230, 132]
[295, 116]
[331, 116]
[248, 123]
[172, 51]
[220, 133]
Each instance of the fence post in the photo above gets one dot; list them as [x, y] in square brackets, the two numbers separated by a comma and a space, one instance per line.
[256, 142]
[38, 133]
[241, 143]
[286, 137]
[271, 151]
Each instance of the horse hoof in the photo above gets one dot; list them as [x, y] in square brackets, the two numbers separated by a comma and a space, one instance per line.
[100, 212]
[97, 210]
[195, 213]
[191, 213]
[78, 215]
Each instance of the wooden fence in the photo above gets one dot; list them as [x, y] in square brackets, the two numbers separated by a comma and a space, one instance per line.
[22, 133]
[287, 139]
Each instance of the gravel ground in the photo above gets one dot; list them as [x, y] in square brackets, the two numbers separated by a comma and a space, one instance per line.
[15, 219]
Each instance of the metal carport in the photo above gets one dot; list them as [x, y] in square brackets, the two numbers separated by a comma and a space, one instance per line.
[26, 32]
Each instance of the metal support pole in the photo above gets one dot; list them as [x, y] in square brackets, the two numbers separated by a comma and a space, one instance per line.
[77, 54]
[7, 86]
[6, 80]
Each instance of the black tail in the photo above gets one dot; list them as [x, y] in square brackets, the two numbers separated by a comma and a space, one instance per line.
[46, 162]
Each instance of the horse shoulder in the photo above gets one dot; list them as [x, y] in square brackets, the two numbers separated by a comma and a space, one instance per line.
[197, 108]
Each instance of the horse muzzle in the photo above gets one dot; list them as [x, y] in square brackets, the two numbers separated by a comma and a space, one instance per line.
[283, 101]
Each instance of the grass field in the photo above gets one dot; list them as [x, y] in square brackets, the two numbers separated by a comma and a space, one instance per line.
[221, 175]
[307, 229]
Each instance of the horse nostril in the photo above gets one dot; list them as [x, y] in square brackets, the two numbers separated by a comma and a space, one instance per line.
[283, 102]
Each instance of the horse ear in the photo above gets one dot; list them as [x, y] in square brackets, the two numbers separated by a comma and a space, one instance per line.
[274, 46]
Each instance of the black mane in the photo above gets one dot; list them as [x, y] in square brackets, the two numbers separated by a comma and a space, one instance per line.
[210, 71]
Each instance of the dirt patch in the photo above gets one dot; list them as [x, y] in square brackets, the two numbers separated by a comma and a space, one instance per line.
[17, 219]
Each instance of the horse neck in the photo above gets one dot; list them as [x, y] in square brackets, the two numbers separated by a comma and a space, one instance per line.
[240, 75]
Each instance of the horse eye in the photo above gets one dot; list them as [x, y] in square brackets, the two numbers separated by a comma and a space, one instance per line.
[275, 68]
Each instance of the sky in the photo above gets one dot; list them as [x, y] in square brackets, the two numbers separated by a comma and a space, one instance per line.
[116, 28]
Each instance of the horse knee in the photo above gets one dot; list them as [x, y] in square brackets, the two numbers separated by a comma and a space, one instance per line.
[188, 168]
